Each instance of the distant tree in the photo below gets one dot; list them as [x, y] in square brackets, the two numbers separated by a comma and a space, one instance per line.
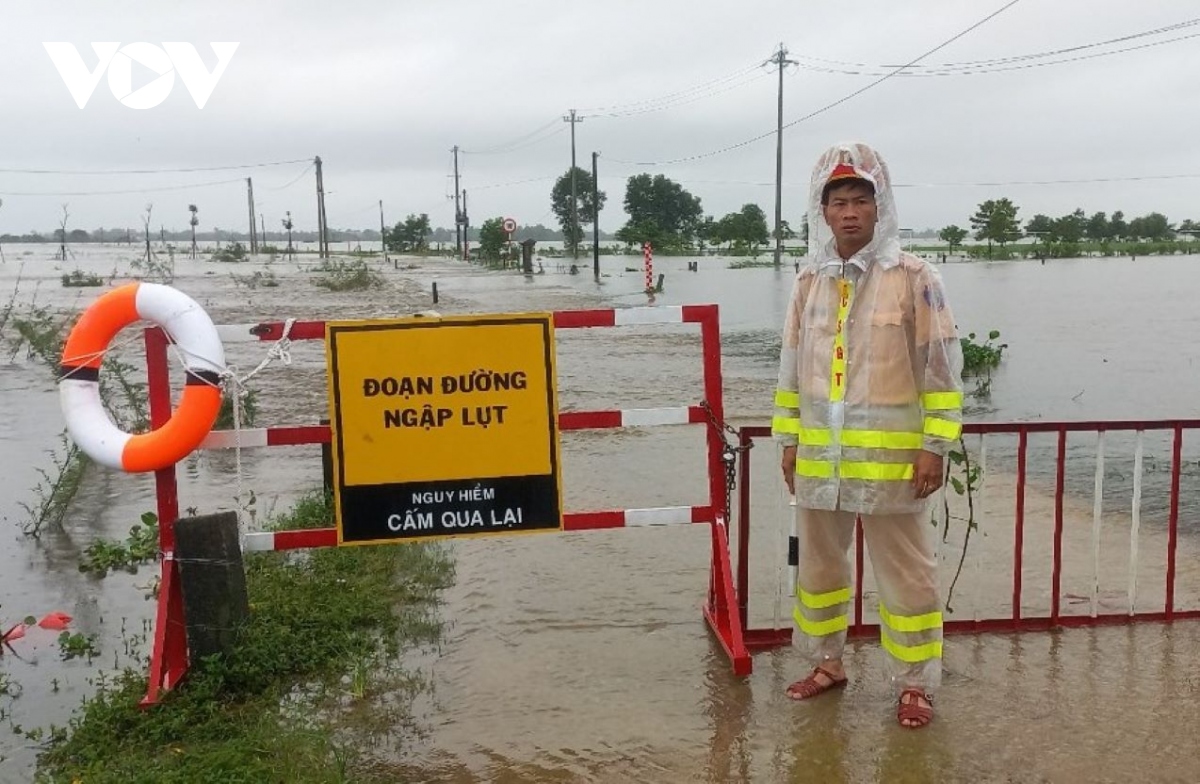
[745, 230]
[560, 203]
[1097, 227]
[660, 211]
[492, 238]
[996, 221]
[1154, 227]
[60, 234]
[149, 258]
[194, 221]
[786, 231]
[953, 236]
[1071, 227]
[287, 225]
[78, 235]
[1040, 225]
[752, 224]
[418, 231]
[409, 235]
[706, 232]
[1118, 229]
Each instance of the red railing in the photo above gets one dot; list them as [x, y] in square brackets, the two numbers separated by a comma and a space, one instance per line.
[1016, 619]
[169, 660]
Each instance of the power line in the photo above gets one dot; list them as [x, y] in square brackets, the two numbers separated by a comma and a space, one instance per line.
[154, 171]
[125, 192]
[523, 146]
[973, 64]
[1082, 181]
[836, 103]
[514, 182]
[984, 184]
[515, 143]
[636, 106]
[1011, 67]
[683, 100]
[299, 177]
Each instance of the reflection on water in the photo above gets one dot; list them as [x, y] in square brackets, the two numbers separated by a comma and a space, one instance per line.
[583, 657]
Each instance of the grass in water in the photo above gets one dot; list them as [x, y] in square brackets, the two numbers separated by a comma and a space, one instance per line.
[340, 275]
[313, 658]
[81, 279]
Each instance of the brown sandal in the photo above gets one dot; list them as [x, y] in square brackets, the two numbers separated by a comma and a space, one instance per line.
[810, 687]
[919, 715]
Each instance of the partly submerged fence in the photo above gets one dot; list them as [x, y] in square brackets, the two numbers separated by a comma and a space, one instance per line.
[169, 657]
[1016, 616]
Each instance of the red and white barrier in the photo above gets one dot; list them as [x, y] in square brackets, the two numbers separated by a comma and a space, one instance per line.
[169, 662]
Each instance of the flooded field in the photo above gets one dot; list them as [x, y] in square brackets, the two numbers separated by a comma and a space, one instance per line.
[584, 656]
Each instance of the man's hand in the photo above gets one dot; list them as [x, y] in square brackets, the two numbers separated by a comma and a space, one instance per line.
[927, 473]
[789, 468]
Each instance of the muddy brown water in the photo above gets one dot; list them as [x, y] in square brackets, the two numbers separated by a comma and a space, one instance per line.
[583, 656]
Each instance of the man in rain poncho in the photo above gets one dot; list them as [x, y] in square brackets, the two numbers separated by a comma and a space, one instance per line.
[869, 402]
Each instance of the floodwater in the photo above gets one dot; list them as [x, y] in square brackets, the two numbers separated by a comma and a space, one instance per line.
[584, 656]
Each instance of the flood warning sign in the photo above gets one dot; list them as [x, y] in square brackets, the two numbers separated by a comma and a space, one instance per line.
[443, 427]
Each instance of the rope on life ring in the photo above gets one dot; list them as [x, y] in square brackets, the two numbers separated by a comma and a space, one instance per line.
[192, 332]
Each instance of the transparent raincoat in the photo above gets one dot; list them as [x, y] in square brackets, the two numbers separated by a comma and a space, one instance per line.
[869, 374]
[870, 370]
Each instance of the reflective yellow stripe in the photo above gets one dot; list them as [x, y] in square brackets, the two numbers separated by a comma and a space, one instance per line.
[942, 428]
[881, 439]
[819, 601]
[913, 654]
[820, 628]
[884, 472]
[862, 439]
[785, 399]
[818, 469]
[785, 425]
[911, 623]
[941, 401]
[816, 436]
[837, 372]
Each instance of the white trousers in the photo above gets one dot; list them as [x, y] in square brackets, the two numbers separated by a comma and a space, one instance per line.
[900, 547]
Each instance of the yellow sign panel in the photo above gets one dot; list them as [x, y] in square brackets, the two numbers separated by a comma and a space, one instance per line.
[444, 427]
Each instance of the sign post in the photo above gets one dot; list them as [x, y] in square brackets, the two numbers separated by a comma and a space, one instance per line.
[510, 228]
[444, 427]
[648, 262]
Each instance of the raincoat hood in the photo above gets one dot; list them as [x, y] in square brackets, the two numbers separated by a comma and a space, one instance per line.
[869, 165]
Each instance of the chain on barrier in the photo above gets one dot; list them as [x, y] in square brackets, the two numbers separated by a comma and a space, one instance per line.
[729, 453]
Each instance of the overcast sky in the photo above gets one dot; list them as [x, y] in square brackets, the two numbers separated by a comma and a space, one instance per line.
[382, 91]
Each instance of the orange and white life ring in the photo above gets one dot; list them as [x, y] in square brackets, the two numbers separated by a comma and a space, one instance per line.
[193, 333]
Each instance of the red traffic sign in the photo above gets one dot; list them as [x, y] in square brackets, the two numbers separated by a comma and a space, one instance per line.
[510, 225]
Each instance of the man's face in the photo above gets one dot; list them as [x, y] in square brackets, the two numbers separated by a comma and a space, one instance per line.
[851, 213]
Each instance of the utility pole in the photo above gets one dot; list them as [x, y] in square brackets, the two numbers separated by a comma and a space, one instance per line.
[322, 251]
[780, 59]
[595, 219]
[262, 225]
[466, 226]
[382, 232]
[573, 119]
[253, 224]
[458, 212]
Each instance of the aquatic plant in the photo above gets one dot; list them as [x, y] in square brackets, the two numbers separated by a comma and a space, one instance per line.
[340, 275]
